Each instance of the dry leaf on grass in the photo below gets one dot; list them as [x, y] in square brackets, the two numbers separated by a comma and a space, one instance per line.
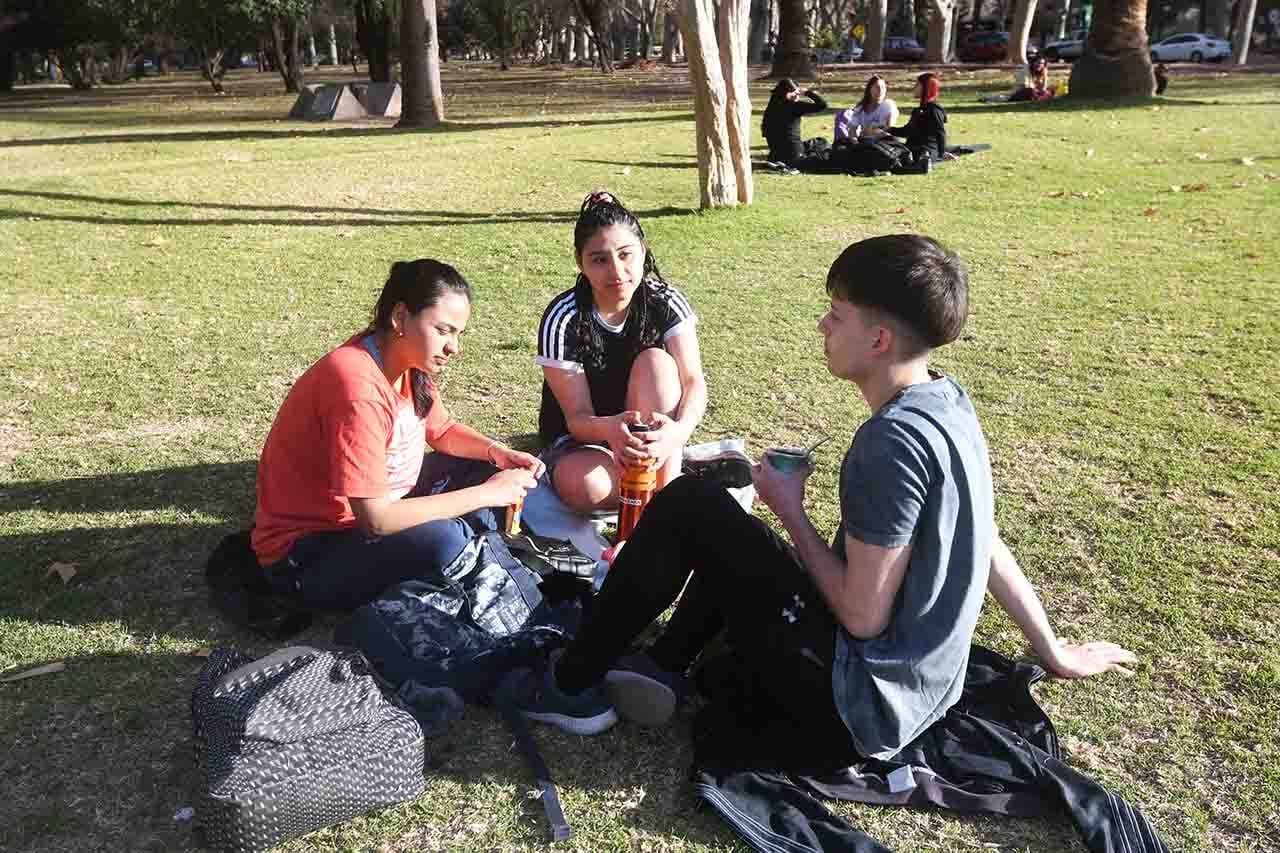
[1176, 188]
[1150, 211]
[1063, 253]
[34, 672]
[1195, 188]
[1080, 194]
[1246, 161]
[1159, 161]
[1200, 155]
[1055, 194]
[1253, 256]
[1240, 185]
[901, 210]
[66, 571]
[1089, 153]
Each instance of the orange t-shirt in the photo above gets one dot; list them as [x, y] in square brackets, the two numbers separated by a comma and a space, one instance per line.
[342, 432]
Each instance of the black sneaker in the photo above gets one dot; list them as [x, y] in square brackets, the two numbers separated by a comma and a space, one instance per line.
[643, 692]
[535, 694]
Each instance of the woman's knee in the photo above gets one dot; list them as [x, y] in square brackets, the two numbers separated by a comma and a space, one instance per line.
[585, 481]
[654, 382]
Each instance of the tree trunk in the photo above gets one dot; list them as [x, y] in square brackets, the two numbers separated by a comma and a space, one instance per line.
[1245, 12]
[595, 14]
[877, 18]
[1023, 15]
[670, 38]
[8, 68]
[286, 38]
[313, 56]
[940, 27]
[717, 183]
[1116, 61]
[333, 45]
[422, 98]
[211, 67]
[735, 26]
[759, 32]
[373, 34]
[791, 55]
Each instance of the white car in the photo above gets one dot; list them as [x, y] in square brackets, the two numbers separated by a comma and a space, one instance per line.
[1196, 47]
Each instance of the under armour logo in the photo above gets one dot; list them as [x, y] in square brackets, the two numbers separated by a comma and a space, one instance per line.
[789, 615]
[798, 603]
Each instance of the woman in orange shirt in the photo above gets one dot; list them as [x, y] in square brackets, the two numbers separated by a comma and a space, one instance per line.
[347, 502]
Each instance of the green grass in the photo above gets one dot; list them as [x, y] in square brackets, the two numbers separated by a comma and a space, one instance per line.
[175, 260]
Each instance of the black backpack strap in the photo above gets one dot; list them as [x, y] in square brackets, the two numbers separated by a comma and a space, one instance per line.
[542, 776]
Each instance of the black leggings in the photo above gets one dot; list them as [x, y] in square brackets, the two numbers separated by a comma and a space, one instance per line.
[744, 580]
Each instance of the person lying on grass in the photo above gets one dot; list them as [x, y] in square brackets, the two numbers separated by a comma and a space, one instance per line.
[863, 641]
[619, 348]
[347, 503]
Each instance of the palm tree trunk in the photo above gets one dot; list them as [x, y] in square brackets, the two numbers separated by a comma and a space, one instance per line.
[422, 102]
[791, 56]
[1116, 61]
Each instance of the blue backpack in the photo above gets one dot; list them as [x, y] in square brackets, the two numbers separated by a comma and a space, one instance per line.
[454, 638]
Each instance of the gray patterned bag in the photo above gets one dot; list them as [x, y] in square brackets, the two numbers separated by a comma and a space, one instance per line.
[293, 742]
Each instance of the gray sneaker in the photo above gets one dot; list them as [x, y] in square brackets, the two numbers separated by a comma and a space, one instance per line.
[536, 696]
[643, 692]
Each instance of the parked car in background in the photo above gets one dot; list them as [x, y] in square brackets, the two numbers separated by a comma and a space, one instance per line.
[827, 56]
[902, 49]
[984, 47]
[1194, 47]
[1071, 47]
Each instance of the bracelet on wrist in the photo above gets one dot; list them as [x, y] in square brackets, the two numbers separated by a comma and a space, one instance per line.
[488, 451]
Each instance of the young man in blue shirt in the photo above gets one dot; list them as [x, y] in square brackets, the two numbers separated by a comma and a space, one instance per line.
[861, 643]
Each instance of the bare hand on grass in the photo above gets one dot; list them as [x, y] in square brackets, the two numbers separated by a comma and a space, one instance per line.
[1081, 660]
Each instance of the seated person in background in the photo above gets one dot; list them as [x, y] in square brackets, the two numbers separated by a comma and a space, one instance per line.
[926, 131]
[617, 349]
[781, 123]
[861, 643]
[869, 117]
[1037, 88]
[347, 503]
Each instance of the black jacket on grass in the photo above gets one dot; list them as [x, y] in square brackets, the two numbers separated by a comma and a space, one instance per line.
[925, 130]
[781, 125]
[995, 751]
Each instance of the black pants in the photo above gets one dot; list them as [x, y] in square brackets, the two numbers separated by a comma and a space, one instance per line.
[742, 579]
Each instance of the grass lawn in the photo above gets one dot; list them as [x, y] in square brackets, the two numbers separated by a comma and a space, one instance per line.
[173, 261]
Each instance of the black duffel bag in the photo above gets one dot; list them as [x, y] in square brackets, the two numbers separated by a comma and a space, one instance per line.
[296, 741]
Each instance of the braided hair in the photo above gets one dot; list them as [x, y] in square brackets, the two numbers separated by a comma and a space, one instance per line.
[602, 209]
[419, 285]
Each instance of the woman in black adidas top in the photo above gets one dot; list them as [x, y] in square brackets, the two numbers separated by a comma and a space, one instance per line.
[617, 349]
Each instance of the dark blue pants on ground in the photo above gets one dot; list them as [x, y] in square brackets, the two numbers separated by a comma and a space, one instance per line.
[343, 569]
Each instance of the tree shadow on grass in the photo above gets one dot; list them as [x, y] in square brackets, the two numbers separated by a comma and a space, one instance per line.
[640, 164]
[299, 129]
[354, 216]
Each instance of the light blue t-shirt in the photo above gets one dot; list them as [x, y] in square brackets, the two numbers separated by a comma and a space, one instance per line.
[917, 473]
